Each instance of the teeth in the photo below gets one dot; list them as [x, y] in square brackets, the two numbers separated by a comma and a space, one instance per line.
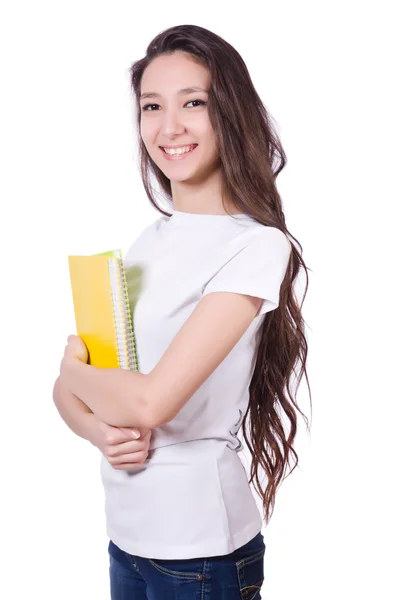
[181, 150]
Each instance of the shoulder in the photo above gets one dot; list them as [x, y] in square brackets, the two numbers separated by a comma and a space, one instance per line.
[268, 238]
[145, 238]
[155, 226]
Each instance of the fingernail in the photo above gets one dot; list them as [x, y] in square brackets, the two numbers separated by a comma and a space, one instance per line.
[135, 434]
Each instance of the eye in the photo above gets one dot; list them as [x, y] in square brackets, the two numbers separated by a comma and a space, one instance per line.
[201, 102]
[190, 101]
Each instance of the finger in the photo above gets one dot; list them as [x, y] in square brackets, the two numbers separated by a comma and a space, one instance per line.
[130, 431]
[115, 435]
[130, 466]
[144, 432]
[133, 458]
[130, 447]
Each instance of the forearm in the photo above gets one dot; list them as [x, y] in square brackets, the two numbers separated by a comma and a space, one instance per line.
[116, 396]
[77, 415]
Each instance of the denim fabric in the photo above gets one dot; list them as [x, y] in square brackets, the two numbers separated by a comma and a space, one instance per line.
[235, 576]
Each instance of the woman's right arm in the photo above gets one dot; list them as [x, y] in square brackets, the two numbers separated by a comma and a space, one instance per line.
[77, 415]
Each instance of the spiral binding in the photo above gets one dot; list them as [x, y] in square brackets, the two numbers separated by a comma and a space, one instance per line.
[130, 327]
[126, 345]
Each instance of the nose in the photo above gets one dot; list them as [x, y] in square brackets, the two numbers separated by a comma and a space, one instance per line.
[172, 124]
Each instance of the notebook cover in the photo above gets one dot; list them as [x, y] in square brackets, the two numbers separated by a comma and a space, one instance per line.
[92, 300]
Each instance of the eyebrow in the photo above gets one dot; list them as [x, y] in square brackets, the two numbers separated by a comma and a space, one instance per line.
[182, 92]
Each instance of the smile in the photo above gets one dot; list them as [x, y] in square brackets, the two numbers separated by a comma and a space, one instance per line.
[179, 156]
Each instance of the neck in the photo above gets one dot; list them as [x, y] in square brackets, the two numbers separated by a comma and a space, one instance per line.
[203, 197]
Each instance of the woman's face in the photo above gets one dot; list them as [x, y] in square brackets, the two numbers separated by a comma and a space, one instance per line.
[171, 117]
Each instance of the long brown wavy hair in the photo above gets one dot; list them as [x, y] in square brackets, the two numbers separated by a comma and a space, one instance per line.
[243, 127]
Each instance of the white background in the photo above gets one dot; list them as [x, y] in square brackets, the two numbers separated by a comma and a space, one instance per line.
[70, 185]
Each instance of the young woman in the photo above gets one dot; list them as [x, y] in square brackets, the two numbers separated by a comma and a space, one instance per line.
[218, 330]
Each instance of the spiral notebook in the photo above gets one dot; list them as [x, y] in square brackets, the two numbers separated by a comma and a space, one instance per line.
[102, 309]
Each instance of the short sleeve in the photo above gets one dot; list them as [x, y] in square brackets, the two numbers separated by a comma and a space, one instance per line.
[257, 269]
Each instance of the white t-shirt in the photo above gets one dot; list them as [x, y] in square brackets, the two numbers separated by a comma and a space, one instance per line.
[192, 499]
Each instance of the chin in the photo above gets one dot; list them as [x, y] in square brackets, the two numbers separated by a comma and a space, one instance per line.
[181, 174]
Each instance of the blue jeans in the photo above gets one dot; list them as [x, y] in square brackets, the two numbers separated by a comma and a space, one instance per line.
[235, 576]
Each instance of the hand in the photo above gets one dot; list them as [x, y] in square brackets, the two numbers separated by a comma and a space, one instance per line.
[121, 449]
[76, 348]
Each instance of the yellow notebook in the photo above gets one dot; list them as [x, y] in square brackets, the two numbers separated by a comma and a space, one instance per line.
[102, 309]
